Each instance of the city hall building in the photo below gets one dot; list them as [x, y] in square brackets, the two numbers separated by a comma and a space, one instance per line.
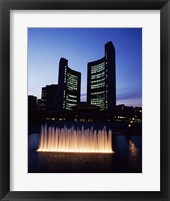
[101, 81]
[64, 98]
[69, 82]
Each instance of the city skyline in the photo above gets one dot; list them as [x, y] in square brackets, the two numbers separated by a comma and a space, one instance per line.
[43, 61]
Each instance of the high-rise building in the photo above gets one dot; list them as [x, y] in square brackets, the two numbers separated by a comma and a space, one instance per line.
[101, 81]
[49, 97]
[69, 86]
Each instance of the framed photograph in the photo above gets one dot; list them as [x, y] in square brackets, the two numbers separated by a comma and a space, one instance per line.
[84, 100]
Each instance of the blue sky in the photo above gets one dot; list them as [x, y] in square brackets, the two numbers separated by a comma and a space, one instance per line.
[81, 45]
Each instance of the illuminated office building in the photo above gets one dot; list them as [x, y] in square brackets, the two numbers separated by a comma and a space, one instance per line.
[101, 81]
[49, 97]
[69, 86]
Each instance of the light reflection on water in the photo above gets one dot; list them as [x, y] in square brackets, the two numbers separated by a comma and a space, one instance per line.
[127, 158]
[133, 150]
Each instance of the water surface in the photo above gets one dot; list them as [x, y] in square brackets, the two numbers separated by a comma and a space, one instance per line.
[126, 159]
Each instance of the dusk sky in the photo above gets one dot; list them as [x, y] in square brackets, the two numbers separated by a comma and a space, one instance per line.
[82, 45]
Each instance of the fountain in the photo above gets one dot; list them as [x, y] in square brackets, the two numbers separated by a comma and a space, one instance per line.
[75, 140]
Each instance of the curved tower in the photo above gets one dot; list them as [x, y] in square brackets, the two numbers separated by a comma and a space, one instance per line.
[101, 81]
[69, 86]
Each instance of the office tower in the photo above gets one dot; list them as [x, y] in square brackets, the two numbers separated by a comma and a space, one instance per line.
[69, 86]
[101, 81]
[49, 98]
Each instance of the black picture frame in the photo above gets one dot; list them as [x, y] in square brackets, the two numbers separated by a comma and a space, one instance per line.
[5, 7]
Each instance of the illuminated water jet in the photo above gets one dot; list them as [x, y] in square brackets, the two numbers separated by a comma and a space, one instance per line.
[75, 140]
